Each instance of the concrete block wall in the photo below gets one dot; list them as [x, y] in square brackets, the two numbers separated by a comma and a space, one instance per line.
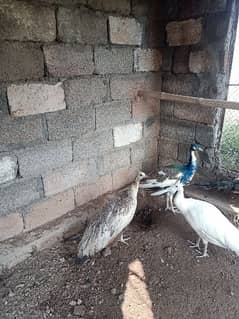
[70, 129]
[199, 43]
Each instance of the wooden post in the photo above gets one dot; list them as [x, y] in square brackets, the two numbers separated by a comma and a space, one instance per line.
[187, 99]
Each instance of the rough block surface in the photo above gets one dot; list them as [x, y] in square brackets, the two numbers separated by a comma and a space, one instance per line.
[122, 6]
[199, 61]
[126, 31]
[178, 130]
[37, 159]
[17, 195]
[110, 114]
[86, 91]
[113, 60]
[180, 61]
[146, 60]
[8, 167]
[82, 26]
[85, 193]
[123, 176]
[127, 134]
[10, 226]
[143, 110]
[26, 22]
[20, 62]
[67, 60]
[123, 86]
[195, 113]
[93, 145]
[68, 176]
[20, 130]
[168, 148]
[184, 32]
[114, 160]
[71, 123]
[49, 209]
[27, 99]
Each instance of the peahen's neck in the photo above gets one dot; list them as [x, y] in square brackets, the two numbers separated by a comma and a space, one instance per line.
[134, 188]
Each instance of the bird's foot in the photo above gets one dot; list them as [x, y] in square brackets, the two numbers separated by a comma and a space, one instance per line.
[202, 255]
[124, 240]
[194, 245]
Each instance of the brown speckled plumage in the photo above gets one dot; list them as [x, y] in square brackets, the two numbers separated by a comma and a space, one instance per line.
[116, 214]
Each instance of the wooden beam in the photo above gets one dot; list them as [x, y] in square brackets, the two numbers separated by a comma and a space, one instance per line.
[188, 99]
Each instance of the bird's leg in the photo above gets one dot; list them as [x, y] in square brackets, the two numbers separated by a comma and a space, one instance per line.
[167, 202]
[173, 209]
[195, 245]
[124, 240]
[205, 254]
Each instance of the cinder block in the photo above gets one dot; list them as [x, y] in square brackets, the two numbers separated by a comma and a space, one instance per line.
[113, 160]
[183, 152]
[123, 176]
[113, 60]
[124, 86]
[19, 61]
[111, 114]
[126, 31]
[192, 8]
[180, 61]
[68, 60]
[71, 123]
[20, 130]
[8, 167]
[28, 99]
[166, 110]
[178, 130]
[206, 135]
[151, 147]
[127, 134]
[3, 101]
[86, 91]
[93, 145]
[146, 60]
[85, 193]
[185, 84]
[10, 226]
[122, 6]
[68, 176]
[200, 61]
[185, 32]
[195, 113]
[168, 149]
[167, 59]
[49, 209]
[19, 194]
[35, 160]
[143, 110]
[82, 26]
[138, 153]
[152, 127]
[26, 22]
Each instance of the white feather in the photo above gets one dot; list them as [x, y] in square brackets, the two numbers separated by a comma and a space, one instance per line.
[208, 222]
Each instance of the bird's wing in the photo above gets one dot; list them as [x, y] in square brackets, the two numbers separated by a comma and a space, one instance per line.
[171, 189]
[211, 225]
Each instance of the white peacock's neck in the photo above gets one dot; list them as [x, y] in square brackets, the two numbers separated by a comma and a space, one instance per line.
[179, 198]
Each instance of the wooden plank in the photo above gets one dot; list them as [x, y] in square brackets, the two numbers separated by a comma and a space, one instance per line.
[188, 99]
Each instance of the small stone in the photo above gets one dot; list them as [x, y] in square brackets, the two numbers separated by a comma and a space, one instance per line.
[79, 302]
[11, 293]
[162, 261]
[113, 291]
[62, 259]
[79, 310]
[231, 293]
[107, 252]
[72, 303]
[121, 297]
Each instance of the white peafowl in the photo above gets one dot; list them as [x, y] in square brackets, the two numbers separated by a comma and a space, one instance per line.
[115, 216]
[182, 173]
[208, 222]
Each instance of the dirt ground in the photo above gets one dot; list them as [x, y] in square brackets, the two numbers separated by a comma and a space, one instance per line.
[156, 276]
